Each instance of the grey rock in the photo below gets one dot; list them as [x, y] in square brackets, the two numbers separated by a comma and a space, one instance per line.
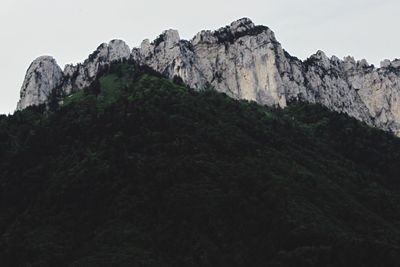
[246, 61]
[82, 75]
[42, 76]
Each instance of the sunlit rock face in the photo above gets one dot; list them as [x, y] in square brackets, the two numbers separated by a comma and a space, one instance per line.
[246, 61]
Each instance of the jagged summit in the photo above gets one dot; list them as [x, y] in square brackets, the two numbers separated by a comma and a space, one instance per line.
[82, 75]
[232, 32]
[391, 64]
[242, 25]
[245, 61]
[169, 37]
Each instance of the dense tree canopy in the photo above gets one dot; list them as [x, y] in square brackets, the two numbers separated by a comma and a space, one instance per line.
[139, 171]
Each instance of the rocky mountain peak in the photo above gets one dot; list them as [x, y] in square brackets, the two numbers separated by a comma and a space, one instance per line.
[245, 61]
[166, 39]
[115, 50]
[77, 77]
[391, 64]
[42, 76]
[171, 36]
[242, 25]
[241, 28]
[118, 50]
[320, 58]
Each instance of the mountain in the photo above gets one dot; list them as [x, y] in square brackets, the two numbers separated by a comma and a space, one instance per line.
[245, 61]
[136, 170]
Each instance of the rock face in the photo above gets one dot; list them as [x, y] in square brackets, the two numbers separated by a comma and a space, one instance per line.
[41, 78]
[82, 75]
[246, 61]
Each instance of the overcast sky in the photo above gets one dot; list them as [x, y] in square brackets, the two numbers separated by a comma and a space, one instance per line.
[70, 30]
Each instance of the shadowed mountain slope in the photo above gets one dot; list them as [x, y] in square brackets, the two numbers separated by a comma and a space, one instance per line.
[136, 170]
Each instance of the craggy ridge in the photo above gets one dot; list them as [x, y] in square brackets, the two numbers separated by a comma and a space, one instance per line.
[244, 61]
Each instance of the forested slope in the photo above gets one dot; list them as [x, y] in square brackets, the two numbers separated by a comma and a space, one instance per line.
[139, 171]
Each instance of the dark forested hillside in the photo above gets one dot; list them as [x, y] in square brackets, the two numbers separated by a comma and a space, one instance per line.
[139, 171]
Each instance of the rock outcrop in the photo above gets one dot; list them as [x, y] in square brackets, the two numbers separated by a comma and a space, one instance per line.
[245, 61]
[82, 75]
[42, 76]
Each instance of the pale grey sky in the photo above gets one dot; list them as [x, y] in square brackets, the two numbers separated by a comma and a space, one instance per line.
[70, 30]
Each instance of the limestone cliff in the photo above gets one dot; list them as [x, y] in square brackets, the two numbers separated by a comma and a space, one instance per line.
[42, 76]
[244, 61]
